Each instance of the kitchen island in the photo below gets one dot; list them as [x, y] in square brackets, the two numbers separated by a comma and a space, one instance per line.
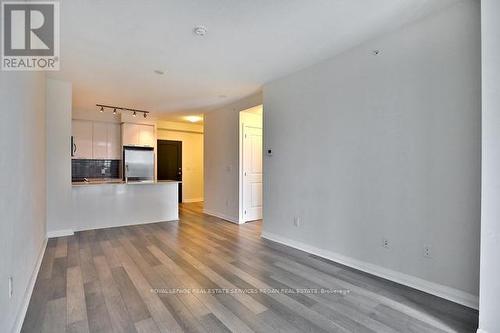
[112, 204]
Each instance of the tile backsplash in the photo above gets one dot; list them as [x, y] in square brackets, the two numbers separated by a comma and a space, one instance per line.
[94, 169]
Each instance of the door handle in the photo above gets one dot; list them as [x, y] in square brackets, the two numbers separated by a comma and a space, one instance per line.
[73, 146]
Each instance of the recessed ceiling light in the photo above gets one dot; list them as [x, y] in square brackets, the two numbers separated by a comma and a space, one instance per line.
[193, 119]
[200, 30]
[159, 72]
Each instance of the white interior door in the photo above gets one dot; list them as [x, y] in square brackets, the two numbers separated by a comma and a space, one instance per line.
[252, 173]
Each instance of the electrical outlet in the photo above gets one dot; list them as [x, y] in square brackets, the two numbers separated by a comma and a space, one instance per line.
[11, 287]
[296, 221]
[385, 243]
[427, 252]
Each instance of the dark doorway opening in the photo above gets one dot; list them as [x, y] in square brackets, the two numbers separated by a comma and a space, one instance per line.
[170, 162]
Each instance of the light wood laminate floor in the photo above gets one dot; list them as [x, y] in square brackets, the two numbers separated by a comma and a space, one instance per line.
[104, 281]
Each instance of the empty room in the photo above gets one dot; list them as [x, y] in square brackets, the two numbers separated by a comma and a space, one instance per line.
[250, 166]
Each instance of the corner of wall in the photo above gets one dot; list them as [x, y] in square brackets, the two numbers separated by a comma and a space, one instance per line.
[221, 158]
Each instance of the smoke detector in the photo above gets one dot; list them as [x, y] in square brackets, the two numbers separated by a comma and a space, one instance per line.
[200, 30]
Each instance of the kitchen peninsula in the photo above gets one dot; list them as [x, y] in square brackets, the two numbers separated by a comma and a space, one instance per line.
[103, 205]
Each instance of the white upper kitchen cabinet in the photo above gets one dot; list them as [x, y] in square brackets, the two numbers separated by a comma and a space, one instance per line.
[82, 139]
[96, 140]
[114, 142]
[106, 141]
[138, 135]
[100, 141]
[147, 136]
[130, 134]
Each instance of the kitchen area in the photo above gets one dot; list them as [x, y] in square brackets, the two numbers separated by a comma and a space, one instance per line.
[113, 172]
[110, 166]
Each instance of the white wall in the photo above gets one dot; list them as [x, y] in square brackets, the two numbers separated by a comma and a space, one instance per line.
[221, 158]
[22, 189]
[58, 105]
[490, 226]
[370, 147]
[192, 156]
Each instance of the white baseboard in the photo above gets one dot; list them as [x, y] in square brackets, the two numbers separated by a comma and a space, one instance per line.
[70, 232]
[481, 331]
[451, 294]
[174, 219]
[192, 200]
[222, 216]
[18, 324]
[60, 233]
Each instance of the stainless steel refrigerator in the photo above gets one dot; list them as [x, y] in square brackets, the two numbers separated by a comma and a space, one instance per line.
[138, 164]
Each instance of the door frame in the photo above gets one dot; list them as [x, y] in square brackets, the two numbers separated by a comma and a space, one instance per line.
[179, 161]
[242, 123]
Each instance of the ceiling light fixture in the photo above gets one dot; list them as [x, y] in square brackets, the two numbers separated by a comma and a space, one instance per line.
[200, 30]
[116, 108]
[159, 72]
[193, 119]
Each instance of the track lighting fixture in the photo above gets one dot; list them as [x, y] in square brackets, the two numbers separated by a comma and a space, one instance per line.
[115, 108]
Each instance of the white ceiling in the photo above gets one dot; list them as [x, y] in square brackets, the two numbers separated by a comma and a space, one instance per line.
[109, 49]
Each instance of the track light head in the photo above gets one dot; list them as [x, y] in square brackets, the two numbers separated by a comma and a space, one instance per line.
[134, 114]
[102, 109]
[145, 114]
[114, 111]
